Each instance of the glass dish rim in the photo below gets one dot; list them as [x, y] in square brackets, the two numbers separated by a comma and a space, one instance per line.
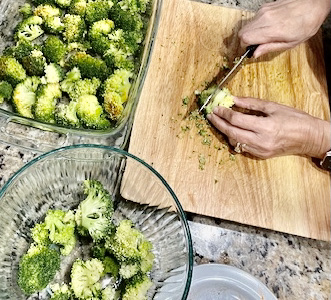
[12, 179]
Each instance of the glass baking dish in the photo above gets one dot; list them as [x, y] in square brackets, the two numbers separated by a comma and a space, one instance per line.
[41, 137]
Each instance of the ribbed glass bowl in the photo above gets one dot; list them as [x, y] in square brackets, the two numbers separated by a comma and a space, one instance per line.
[54, 181]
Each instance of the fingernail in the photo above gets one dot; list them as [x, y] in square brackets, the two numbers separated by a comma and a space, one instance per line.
[208, 116]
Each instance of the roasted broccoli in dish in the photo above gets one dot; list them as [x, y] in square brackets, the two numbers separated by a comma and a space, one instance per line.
[66, 114]
[82, 87]
[98, 35]
[61, 226]
[93, 215]
[74, 28]
[53, 73]
[29, 29]
[97, 10]
[78, 7]
[24, 96]
[85, 276]
[35, 63]
[61, 292]
[46, 10]
[137, 288]
[11, 70]
[53, 25]
[134, 6]
[21, 49]
[6, 91]
[110, 293]
[222, 98]
[54, 49]
[26, 10]
[37, 268]
[63, 3]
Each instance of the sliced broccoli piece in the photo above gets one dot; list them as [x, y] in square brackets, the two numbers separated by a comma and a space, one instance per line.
[40, 233]
[24, 96]
[84, 278]
[37, 268]
[53, 25]
[222, 98]
[88, 65]
[6, 91]
[11, 70]
[97, 10]
[61, 292]
[61, 226]
[26, 10]
[110, 293]
[78, 7]
[54, 49]
[63, 3]
[66, 114]
[46, 10]
[21, 49]
[74, 28]
[29, 29]
[53, 73]
[44, 107]
[94, 214]
[35, 63]
[137, 288]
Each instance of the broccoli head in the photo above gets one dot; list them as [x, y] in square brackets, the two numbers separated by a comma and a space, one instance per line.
[34, 64]
[44, 107]
[81, 87]
[78, 7]
[46, 10]
[66, 114]
[134, 6]
[74, 28]
[24, 96]
[40, 233]
[61, 226]
[94, 214]
[116, 58]
[222, 98]
[88, 65]
[11, 70]
[84, 278]
[111, 266]
[110, 293]
[63, 3]
[137, 288]
[128, 270]
[29, 29]
[97, 10]
[54, 49]
[126, 20]
[53, 25]
[53, 73]
[98, 35]
[6, 91]
[26, 10]
[61, 292]
[21, 49]
[37, 268]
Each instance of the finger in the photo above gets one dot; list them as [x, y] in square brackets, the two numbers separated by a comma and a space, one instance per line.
[264, 106]
[238, 119]
[272, 47]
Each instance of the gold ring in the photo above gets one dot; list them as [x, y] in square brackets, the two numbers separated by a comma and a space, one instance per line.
[239, 148]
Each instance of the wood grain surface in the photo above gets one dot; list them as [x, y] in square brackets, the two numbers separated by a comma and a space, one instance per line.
[288, 194]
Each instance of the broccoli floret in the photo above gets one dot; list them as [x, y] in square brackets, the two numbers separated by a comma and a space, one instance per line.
[61, 292]
[21, 49]
[53, 73]
[94, 214]
[11, 70]
[46, 10]
[53, 25]
[24, 96]
[134, 6]
[84, 278]
[29, 29]
[113, 105]
[82, 87]
[88, 65]
[70, 79]
[35, 63]
[78, 7]
[110, 293]
[98, 35]
[40, 233]
[44, 107]
[115, 57]
[111, 266]
[125, 19]
[128, 270]
[98, 251]
[54, 49]
[137, 288]
[37, 268]
[61, 226]
[80, 47]
[222, 98]
[66, 114]
[6, 91]
[26, 10]
[74, 28]
[97, 10]
[63, 3]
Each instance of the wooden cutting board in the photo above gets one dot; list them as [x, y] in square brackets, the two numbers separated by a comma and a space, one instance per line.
[288, 194]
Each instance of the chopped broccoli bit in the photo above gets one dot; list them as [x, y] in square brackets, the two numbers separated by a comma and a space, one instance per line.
[21, 49]
[63, 3]
[94, 213]
[81, 87]
[137, 288]
[98, 35]
[110, 293]
[110, 266]
[222, 98]
[37, 268]
[115, 57]
[128, 270]
[54, 49]
[53, 25]
[134, 6]
[29, 29]
[78, 7]
[34, 64]
[61, 292]
[53, 73]
[6, 91]
[84, 278]
[24, 96]
[74, 28]
[97, 10]
[61, 226]
[40, 234]
[46, 10]
[66, 114]
[26, 10]
[11, 70]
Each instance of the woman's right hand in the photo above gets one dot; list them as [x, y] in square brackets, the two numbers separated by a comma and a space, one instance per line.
[283, 24]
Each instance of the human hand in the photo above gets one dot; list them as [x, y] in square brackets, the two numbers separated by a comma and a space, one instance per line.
[281, 131]
[283, 24]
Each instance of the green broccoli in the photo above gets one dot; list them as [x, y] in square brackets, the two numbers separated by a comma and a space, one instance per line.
[116, 58]
[63, 3]
[21, 49]
[84, 278]
[44, 107]
[97, 10]
[40, 234]
[53, 73]
[134, 6]
[54, 49]
[110, 293]
[46, 10]
[61, 226]
[98, 35]
[80, 47]
[137, 288]
[29, 29]
[61, 292]
[66, 114]
[70, 79]
[98, 251]
[26, 10]
[222, 98]
[128, 270]
[94, 214]
[24, 96]
[11, 70]
[6, 91]
[111, 266]
[53, 25]
[82, 87]
[88, 65]
[74, 28]
[35, 63]
[125, 20]
[37, 268]
[78, 7]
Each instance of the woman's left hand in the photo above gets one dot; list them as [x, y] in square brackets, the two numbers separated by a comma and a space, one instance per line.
[281, 130]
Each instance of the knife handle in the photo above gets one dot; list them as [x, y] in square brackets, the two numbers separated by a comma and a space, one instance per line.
[251, 49]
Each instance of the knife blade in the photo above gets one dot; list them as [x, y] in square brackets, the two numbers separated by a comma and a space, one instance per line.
[249, 53]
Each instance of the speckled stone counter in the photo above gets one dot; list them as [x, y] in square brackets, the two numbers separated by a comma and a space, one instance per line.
[293, 268]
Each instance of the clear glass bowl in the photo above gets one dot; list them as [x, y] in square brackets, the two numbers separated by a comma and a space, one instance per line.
[54, 180]
[41, 137]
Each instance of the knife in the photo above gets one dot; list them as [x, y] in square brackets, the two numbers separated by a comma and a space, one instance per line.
[249, 53]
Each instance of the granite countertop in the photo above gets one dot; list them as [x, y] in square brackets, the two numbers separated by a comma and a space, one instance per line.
[291, 267]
